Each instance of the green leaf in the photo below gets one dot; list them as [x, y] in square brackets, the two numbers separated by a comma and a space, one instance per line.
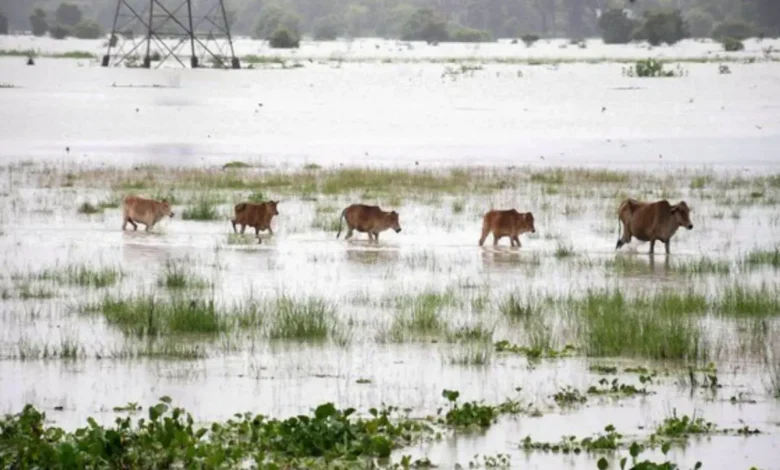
[697, 466]
[325, 411]
[165, 399]
[603, 464]
[635, 449]
[665, 447]
[623, 463]
[156, 411]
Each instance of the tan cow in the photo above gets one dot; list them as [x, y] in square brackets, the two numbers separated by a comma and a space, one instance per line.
[257, 215]
[368, 219]
[144, 211]
[651, 221]
[506, 223]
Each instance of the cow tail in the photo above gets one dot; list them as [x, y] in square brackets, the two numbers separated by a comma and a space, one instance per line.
[341, 219]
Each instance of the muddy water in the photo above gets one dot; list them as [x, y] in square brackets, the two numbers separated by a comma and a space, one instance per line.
[381, 114]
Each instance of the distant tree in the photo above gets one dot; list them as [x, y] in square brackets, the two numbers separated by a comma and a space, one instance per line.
[274, 17]
[284, 38]
[328, 28]
[38, 22]
[463, 34]
[3, 23]
[425, 25]
[700, 23]
[87, 29]
[59, 31]
[661, 26]
[355, 18]
[616, 27]
[68, 14]
[733, 29]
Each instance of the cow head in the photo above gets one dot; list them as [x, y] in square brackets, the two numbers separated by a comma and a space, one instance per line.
[392, 221]
[165, 208]
[273, 204]
[681, 214]
[529, 221]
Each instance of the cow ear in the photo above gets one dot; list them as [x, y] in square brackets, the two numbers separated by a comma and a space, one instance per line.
[673, 209]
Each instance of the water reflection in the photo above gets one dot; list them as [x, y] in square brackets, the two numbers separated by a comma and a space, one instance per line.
[368, 256]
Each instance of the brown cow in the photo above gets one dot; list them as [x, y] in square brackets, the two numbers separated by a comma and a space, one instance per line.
[507, 223]
[370, 219]
[256, 215]
[144, 211]
[651, 221]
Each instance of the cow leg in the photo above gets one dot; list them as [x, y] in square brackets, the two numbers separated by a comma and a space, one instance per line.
[234, 225]
[135, 226]
[496, 238]
[652, 246]
[243, 227]
[376, 237]
[667, 243]
[485, 232]
[349, 233]
[270, 231]
[148, 227]
[517, 240]
[257, 231]
[625, 238]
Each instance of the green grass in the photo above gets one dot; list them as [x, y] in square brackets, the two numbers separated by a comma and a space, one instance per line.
[204, 209]
[656, 327]
[420, 317]
[472, 354]
[144, 315]
[326, 222]
[739, 301]
[703, 266]
[241, 239]
[177, 275]
[79, 275]
[563, 250]
[515, 308]
[309, 319]
[88, 208]
[236, 165]
[762, 258]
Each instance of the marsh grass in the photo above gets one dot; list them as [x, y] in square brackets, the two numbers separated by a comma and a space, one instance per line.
[89, 209]
[27, 291]
[177, 275]
[739, 301]
[241, 239]
[514, 308]
[420, 317]
[205, 208]
[627, 265]
[563, 250]
[762, 258]
[477, 332]
[458, 205]
[656, 327]
[326, 222]
[79, 274]
[472, 354]
[702, 266]
[144, 315]
[310, 319]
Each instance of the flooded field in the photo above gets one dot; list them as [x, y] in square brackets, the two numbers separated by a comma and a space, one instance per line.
[664, 357]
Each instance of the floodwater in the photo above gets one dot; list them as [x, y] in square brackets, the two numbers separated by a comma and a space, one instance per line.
[384, 114]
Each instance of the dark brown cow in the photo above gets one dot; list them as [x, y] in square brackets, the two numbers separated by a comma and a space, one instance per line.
[506, 223]
[144, 211]
[256, 215]
[651, 221]
[368, 219]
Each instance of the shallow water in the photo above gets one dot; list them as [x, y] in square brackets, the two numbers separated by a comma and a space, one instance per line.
[386, 114]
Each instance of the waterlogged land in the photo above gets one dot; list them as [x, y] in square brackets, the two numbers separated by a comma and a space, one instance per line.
[424, 349]
[574, 352]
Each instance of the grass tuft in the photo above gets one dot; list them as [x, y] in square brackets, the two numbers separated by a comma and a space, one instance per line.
[203, 209]
[294, 319]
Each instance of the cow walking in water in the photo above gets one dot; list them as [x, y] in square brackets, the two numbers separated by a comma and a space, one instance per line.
[368, 219]
[651, 221]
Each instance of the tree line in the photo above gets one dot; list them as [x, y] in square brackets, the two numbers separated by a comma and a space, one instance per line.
[431, 20]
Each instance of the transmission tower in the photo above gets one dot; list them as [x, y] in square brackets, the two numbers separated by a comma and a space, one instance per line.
[160, 29]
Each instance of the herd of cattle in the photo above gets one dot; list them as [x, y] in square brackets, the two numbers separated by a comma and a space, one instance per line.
[645, 221]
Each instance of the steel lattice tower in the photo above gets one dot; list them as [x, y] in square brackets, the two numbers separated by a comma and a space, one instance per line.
[155, 21]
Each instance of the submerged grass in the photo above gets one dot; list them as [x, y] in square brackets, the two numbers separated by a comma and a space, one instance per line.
[762, 258]
[653, 327]
[310, 319]
[78, 274]
[204, 209]
[177, 275]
